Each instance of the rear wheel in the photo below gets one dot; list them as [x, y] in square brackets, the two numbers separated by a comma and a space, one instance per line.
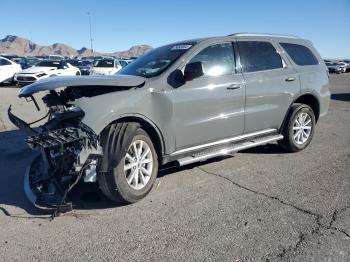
[77, 73]
[134, 176]
[299, 128]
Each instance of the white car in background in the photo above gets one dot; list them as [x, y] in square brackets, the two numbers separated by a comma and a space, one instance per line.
[45, 69]
[343, 65]
[106, 67]
[8, 69]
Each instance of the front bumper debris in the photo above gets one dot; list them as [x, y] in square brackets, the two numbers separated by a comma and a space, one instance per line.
[46, 201]
[67, 153]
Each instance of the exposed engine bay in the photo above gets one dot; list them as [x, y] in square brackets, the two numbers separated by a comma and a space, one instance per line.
[69, 149]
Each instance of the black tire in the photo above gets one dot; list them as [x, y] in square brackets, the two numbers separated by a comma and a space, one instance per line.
[77, 73]
[114, 184]
[288, 142]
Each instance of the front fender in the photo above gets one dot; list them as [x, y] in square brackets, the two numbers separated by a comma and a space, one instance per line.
[141, 104]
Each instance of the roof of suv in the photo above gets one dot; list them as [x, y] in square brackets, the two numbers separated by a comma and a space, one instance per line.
[248, 35]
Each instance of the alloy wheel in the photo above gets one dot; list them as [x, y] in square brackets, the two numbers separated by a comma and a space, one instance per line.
[302, 127]
[138, 164]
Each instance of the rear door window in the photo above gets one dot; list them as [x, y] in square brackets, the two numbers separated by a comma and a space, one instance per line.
[301, 55]
[217, 59]
[258, 56]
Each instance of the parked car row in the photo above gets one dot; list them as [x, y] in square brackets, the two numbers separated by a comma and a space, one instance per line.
[338, 67]
[27, 70]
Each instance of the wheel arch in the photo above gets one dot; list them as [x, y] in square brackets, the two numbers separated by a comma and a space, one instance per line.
[149, 126]
[307, 99]
[311, 100]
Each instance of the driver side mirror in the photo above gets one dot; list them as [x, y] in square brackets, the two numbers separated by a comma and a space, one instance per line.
[193, 70]
[176, 79]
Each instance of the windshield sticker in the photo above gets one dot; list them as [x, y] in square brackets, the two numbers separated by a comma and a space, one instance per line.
[181, 47]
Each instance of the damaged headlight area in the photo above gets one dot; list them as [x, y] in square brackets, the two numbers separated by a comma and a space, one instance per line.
[69, 151]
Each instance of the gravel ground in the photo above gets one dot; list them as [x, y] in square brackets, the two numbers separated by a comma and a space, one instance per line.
[260, 205]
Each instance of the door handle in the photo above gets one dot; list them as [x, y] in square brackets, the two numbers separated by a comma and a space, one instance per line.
[290, 79]
[233, 87]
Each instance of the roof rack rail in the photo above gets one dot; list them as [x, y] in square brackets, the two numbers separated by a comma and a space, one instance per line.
[262, 34]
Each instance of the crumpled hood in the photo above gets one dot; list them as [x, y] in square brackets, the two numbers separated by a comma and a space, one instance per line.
[37, 69]
[64, 81]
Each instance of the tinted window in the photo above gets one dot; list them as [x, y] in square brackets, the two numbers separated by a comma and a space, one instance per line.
[123, 63]
[258, 56]
[4, 62]
[75, 62]
[216, 59]
[49, 63]
[63, 65]
[301, 55]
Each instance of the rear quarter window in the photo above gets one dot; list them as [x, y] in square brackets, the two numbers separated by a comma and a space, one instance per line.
[301, 55]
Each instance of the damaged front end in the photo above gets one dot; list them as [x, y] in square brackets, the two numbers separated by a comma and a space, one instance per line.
[69, 149]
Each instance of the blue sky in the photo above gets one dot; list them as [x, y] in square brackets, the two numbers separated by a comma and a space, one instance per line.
[117, 25]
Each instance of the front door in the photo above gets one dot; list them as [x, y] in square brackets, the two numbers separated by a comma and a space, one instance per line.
[210, 107]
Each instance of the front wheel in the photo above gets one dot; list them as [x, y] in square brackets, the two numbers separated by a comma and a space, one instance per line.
[298, 129]
[134, 176]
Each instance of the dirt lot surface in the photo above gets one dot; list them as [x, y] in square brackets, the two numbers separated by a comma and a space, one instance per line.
[260, 205]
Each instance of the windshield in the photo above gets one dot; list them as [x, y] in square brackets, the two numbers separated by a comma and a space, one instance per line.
[104, 63]
[156, 61]
[49, 64]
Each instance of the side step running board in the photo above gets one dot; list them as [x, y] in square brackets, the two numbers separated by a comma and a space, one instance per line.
[232, 148]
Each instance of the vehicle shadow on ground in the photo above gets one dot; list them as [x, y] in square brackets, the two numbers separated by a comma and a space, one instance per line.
[269, 149]
[341, 97]
[15, 156]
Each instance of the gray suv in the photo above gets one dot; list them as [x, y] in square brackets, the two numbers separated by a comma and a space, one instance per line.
[183, 103]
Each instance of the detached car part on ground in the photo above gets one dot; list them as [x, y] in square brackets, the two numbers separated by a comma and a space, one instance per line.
[181, 103]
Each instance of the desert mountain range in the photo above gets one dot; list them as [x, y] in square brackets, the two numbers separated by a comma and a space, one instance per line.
[16, 45]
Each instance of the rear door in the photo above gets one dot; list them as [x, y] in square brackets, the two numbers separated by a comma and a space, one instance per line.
[271, 83]
[210, 107]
